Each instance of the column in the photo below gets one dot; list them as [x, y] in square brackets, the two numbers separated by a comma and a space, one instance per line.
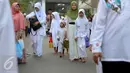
[44, 5]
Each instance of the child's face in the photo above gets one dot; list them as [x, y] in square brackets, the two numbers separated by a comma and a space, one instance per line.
[37, 9]
[81, 14]
[62, 25]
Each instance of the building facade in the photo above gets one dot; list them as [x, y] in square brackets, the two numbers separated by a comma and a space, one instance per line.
[85, 4]
[58, 5]
[94, 5]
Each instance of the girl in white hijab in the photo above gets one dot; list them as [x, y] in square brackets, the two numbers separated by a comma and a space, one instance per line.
[55, 24]
[37, 36]
[82, 30]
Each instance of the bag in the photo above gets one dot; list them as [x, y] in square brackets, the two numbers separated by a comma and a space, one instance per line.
[50, 43]
[32, 23]
[19, 50]
[66, 44]
[87, 42]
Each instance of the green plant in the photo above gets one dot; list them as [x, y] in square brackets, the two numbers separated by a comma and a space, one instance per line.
[24, 4]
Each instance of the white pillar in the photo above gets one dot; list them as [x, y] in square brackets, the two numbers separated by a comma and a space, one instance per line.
[44, 5]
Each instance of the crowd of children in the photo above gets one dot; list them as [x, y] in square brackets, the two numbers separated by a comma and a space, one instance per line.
[60, 37]
[67, 34]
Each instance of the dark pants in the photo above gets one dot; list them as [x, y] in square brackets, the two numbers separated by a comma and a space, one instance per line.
[47, 32]
[26, 31]
[116, 67]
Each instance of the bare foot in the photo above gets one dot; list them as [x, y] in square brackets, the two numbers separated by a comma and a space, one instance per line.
[83, 60]
[80, 60]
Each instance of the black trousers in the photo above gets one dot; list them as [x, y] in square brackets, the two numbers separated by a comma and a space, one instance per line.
[116, 67]
[26, 31]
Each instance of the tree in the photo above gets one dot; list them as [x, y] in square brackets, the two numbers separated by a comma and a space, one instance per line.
[11, 1]
[85, 1]
[24, 4]
[73, 0]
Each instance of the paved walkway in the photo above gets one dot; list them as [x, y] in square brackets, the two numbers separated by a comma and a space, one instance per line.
[53, 64]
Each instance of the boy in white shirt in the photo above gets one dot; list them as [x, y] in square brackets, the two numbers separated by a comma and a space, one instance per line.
[61, 37]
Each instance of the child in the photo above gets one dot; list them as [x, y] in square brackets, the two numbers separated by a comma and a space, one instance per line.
[21, 41]
[54, 28]
[66, 41]
[60, 38]
[20, 51]
[82, 30]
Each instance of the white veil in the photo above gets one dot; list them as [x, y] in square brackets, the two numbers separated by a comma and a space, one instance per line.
[57, 16]
[41, 15]
[79, 19]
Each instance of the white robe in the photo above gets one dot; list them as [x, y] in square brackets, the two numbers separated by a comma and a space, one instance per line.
[55, 24]
[37, 36]
[61, 36]
[111, 35]
[93, 23]
[82, 30]
[73, 50]
[8, 62]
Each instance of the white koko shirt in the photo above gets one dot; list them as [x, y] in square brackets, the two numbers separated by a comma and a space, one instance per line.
[111, 34]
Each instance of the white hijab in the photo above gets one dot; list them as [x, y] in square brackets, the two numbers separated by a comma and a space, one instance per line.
[40, 14]
[56, 19]
[84, 20]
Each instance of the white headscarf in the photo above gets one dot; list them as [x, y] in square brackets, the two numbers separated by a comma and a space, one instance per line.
[57, 16]
[40, 14]
[83, 21]
[79, 19]
[55, 21]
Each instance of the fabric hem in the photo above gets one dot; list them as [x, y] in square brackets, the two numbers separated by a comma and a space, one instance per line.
[116, 60]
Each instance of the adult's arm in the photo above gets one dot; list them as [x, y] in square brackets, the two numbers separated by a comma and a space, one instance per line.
[30, 15]
[98, 32]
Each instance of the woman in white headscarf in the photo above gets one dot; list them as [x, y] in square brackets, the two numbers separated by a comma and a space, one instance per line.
[55, 24]
[37, 36]
[82, 30]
